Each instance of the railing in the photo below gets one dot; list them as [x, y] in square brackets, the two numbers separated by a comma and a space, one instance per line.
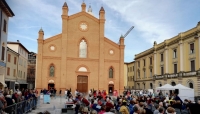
[189, 73]
[172, 75]
[21, 107]
[159, 76]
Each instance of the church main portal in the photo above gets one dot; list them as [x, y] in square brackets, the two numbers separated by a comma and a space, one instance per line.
[82, 84]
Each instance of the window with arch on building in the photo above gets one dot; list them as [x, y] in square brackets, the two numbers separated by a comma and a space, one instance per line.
[174, 53]
[160, 84]
[151, 86]
[111, 72]
[51, 70]
[173, 83]
[83, 49]
[190, 85]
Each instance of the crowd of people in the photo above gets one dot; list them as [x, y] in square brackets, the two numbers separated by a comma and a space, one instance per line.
[98, 102]
[8, 98]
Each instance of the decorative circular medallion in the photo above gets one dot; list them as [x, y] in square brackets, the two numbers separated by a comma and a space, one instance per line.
[111, 52]
[52, 48]
[83, 26]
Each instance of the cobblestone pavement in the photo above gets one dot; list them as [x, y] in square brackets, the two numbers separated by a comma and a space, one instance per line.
[55, 106]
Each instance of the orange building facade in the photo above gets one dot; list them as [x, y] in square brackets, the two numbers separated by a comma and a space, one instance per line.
[80, 57]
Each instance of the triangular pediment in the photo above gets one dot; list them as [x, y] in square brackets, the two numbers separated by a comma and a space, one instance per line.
[83, 14]
[53, 38]
[111, 42]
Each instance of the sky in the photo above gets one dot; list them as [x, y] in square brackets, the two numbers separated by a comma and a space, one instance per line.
[153, 20]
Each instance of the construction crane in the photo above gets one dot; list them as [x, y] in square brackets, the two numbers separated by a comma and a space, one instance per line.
[128, 31]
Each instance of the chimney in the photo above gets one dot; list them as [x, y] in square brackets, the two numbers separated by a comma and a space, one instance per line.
[17, 40]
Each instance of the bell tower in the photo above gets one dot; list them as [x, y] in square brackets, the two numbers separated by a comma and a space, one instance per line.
[102, 83]
[38, 79]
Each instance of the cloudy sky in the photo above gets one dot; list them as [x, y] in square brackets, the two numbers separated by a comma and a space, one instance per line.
[154, 20]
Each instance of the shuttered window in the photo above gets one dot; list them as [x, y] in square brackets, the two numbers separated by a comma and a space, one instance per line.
[15, 60]
[9, 56]
[8, 71]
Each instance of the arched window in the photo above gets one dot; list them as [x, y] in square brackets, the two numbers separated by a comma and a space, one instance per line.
[111, 72]
[191, 85]
[173, 83]
[160, 85]
[51, 70]
[151, 86]
[83, 49]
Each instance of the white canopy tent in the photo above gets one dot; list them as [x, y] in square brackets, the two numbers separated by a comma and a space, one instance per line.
[166, 87]
[185, 92]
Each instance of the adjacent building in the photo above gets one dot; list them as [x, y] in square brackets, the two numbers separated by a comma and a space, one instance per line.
[22, 65]
[80, 57]
[11, 69]
[130, 75]
[5, 13]
[174, 61]
[31, 70]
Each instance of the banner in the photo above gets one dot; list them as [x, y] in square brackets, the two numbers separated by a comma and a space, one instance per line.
[46, 99]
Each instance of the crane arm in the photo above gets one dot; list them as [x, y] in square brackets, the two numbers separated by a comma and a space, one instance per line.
[128, 31]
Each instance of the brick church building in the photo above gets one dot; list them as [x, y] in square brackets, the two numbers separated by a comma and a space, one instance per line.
[80, 57]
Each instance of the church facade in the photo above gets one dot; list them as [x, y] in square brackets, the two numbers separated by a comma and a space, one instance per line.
[80, 57]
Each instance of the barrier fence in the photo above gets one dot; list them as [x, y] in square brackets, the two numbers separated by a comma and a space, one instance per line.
[21, 107]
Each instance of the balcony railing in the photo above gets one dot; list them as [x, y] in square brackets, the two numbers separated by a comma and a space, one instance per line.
[175, 75]
[172, 75]
[159, 76]
[190, 73]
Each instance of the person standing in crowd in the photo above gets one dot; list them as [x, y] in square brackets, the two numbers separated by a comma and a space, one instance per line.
[124, 109]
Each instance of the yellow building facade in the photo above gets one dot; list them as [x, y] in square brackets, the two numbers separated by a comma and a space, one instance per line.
[130, 75]
[80, 57]
[174, 61]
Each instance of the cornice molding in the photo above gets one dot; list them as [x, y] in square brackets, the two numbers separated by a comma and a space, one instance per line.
[145, 53]
[51, 57]
[53, 38]
[82, 59]
[114, 61]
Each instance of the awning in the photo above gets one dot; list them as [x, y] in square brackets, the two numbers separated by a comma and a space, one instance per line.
[4, 84]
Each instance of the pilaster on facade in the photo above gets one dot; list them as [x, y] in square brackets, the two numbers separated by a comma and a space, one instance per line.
[155, 63]
[181, 56]
[199, 48]
[166, 59]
